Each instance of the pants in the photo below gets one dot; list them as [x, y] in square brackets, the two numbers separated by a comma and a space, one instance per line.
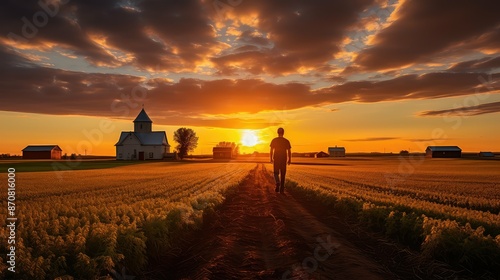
[280, 169]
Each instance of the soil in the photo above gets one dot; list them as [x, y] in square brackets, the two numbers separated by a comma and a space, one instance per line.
[260, 234]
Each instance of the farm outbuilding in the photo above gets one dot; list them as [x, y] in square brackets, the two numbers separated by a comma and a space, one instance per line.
[322, 155]
[336, 151]
[486, 154]
[42, 152]
[443, 152]
[222, 152]
[225, 150]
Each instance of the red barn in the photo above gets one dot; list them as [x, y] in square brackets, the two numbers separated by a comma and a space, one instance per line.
[42, 152]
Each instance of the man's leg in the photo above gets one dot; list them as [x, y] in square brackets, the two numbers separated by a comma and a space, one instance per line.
[276, 176]
[283, 173]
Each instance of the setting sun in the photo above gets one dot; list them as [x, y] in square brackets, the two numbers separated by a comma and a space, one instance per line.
[249, 138]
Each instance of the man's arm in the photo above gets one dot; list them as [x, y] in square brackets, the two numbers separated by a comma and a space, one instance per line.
[271, 154]
[289, 156]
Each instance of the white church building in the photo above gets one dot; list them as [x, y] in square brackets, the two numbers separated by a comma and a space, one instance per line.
[143, 143]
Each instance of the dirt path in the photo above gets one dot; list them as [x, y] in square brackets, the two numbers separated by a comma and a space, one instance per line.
[261, 234]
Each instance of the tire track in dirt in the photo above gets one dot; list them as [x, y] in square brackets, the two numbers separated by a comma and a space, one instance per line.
[261, 234]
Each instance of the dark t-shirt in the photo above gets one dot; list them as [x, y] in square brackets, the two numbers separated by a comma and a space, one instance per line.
[280, 146]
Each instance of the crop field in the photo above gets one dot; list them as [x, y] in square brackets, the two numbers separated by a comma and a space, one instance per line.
[459, 189]
[88, 223]
[422, 202]
[82, 223]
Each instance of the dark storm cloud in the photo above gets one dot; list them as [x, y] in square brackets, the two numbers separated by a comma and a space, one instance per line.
[481, 109]
[424, 29]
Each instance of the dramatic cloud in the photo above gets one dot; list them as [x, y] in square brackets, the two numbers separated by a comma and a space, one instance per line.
[154, 34]
[426, 86]
[477, 65]
[481, 109]
[427, 139]
[372, 139]
[90, 57]
[303, 34]
[56, 91]
[423, 29]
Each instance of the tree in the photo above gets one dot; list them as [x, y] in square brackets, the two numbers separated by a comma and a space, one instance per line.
[187, 139]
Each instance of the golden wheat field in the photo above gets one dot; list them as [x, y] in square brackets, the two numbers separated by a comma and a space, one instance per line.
[448, 209]
[86, 221]
[82, 223]
[468, 189]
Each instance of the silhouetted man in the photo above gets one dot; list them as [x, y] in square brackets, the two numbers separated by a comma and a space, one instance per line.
[280, 149]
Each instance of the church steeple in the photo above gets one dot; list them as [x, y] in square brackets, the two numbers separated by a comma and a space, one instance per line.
[143, 124]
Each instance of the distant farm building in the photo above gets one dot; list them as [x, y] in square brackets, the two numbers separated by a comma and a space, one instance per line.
[322, 155]
[486, 154]
[42, 152]
[225, 150]
[336, 151]
[222, 152]
[143, 143]
[309, 155]
[443, 152]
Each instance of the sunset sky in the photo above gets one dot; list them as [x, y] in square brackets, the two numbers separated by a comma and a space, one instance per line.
[369, 75]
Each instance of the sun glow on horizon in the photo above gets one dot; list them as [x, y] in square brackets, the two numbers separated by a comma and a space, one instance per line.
[249, 138]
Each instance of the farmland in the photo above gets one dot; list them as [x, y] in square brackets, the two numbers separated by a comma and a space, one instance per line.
[448, 208]
[465, 190]
[86, 223]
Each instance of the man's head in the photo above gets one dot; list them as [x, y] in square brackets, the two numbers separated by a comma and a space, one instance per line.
[281, 131]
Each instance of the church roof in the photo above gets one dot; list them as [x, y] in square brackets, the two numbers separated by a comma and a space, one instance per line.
[154, 138]
[143, 117]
